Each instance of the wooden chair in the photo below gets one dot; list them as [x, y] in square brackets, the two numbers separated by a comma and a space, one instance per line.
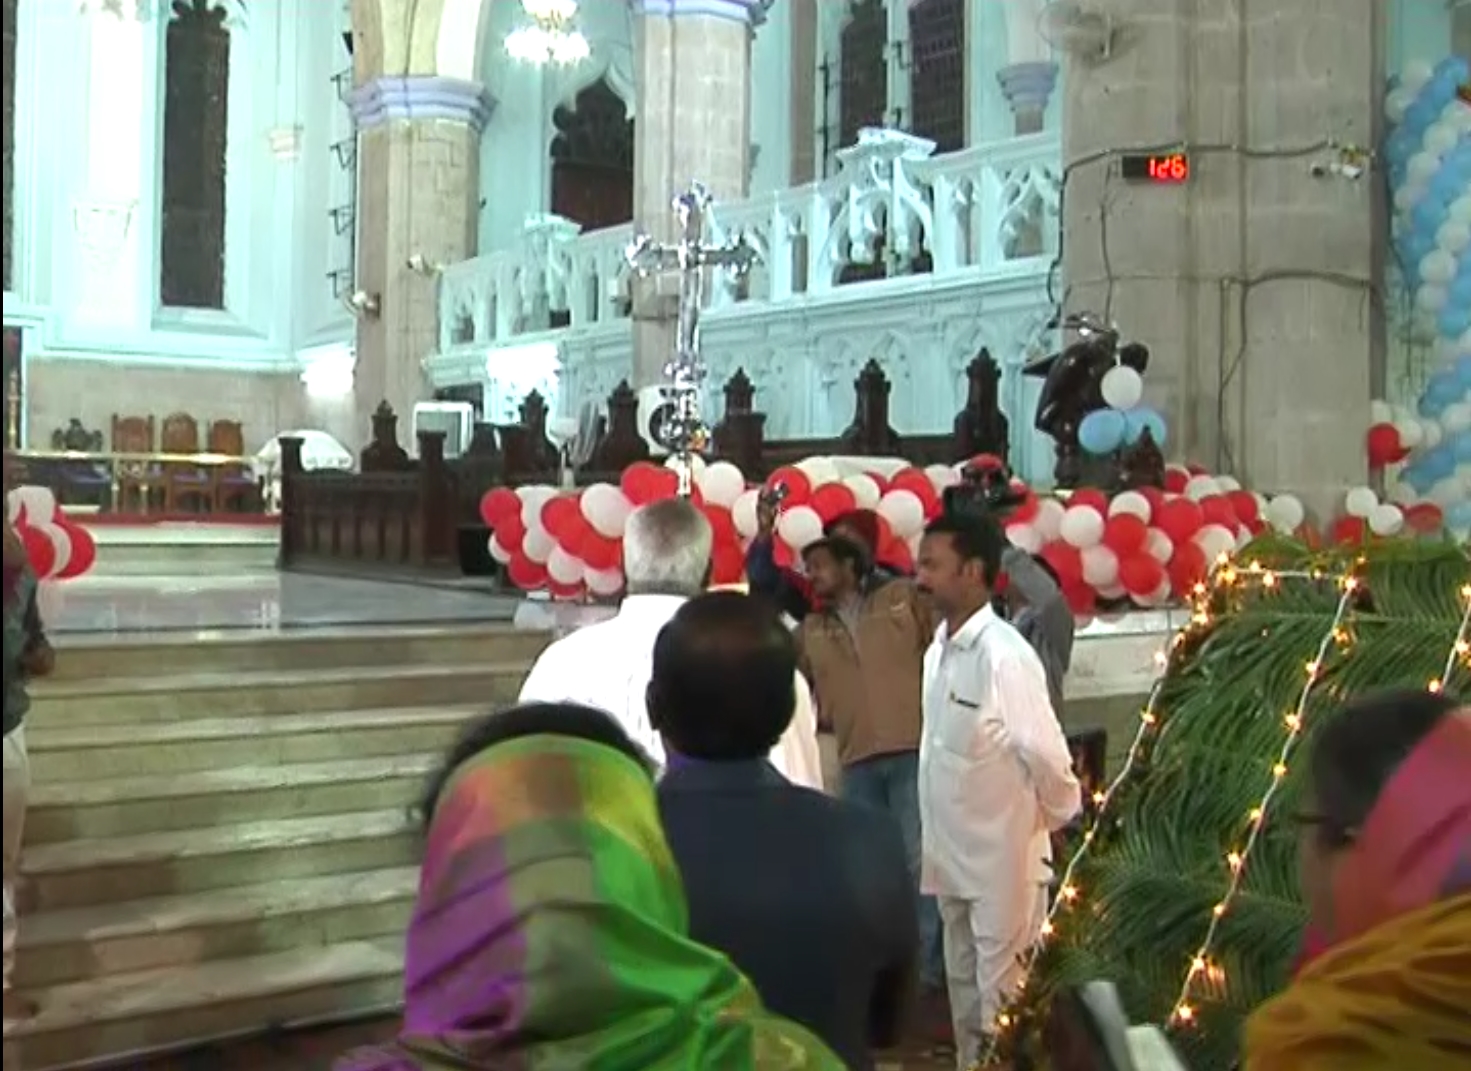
[133, 480]
[233, 484]
[183, 482]
[81, 481]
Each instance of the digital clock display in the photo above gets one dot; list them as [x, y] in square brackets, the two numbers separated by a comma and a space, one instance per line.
[1167, 169]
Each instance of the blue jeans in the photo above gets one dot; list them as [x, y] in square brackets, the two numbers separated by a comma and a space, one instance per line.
[890, 783]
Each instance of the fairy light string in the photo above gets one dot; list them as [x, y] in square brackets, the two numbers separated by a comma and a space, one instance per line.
[1236, 861]
[1460, 648]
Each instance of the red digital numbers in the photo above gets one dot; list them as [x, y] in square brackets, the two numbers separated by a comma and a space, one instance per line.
[1170, 169]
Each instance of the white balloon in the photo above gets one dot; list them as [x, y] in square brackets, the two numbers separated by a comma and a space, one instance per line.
[1160, 546]
[606, 509]
[1431, 297]
[1453, 237]
[1410, 431]
[1415, 76]
[1122, 387]
[1360, 502]
[61, 547]
[1201, 487]
[819, 470]
[538, 544]
[1158, 597]
[1100, 566]
[1457, 115]
[1132, 503]
[1396, 103]
[1082, 526]
[1227, 484]
[1380, 411]
[1024, 537]
[1401, 494]
[1048, 520]
[1386, 520]
[1215, 540]
[721, 483]
[1441, 137]
[904, 512]
[697, 465]
[497, 552]
[1438, 267]
[1460, 210]
[1112, 592]
[942, 476]
[743, 512]
[800, 526]
[1421, 168]
[604, 581]
[866, 490]
[1408, 196]
[1456, 418]
[1285, 513]
[1448, 492]
[564, 568]
[533, 496]
[1433, 434]
[38, 502]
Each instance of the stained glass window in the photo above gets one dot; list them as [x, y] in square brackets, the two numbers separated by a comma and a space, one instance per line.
[9, 14]
[196, 116]
[863, 73]
[937, 72]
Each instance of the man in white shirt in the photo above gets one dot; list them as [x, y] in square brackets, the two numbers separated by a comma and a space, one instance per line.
[666, 560]
[995, 778]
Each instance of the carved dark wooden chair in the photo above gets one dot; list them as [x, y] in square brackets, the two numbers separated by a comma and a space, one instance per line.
[234, 485]
[81, 481]
[184, 484]
[134, 480]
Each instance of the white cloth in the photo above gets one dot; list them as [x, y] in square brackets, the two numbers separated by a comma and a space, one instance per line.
[995, 778]
[608, 665]
[17, 773]
[982, 967]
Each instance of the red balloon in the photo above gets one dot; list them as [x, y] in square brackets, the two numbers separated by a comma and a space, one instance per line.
[1125, 534]
[1244, 504]
[1141, 575]
[1089, 496]
[1180, 519]
[559, 513]
[1384, 446]
[1155, 497]
[597, 551]
[40, 551]
[1197, 469]
[1350, 531]
[728, 564]
[1216, 509]
[1425, 518]
[1066, 562]
[1176, 480]
[895, 555]
[783, 554]
[832, 500]
[722, 525]
[84, 551]
[525, 573]
[1028, 508]
[565, 592]
[509, 532]
[644, 482]
[986, 463]
[1081, 599]
[916, 480]
[497, 504]
[799, 487]
[1188, 567]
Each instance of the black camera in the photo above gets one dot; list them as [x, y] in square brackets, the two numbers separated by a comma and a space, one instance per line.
[773, 497]
[982, 492]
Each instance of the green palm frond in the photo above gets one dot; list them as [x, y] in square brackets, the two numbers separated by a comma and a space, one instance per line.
[1159, 864]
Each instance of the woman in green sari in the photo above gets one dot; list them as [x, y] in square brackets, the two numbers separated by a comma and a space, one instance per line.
[550, 931]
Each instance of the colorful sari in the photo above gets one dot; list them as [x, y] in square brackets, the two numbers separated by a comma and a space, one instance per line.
[550, 933]
[1392, 986]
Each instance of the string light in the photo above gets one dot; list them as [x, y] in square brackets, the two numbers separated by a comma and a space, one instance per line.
[1460, 647]
[1200, 966]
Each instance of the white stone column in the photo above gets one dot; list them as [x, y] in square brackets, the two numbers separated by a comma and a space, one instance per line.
[1252, 283]
[694, 124]
[418, 196]
[1030, 78]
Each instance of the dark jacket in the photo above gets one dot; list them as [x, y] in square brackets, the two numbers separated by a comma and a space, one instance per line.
[788, 589]
[1045, 618]
[809, 896]
[23, 634]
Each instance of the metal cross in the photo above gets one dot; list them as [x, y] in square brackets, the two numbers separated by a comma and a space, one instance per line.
[691, 257]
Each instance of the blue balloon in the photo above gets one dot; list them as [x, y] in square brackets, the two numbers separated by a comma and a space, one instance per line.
[1462, 369]
[1444, 188]
[1439, 464]
[1398, 148]
[1459, 292]
[1416, 477]
[1461, 447]
[1458, 517]
[1427, 216]
[1137, 419]
[1454, 69]
[1102, 431]
[1454, 320]
[1419, 116]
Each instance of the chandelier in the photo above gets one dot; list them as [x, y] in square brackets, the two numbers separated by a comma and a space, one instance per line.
[550, 34]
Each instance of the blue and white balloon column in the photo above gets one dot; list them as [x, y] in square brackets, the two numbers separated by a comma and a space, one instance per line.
[1124, 419]
[1428, 153]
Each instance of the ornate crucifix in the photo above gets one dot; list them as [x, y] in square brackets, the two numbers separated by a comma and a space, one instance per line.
[691, 257]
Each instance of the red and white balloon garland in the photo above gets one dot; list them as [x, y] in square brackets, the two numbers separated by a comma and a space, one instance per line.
[57, 547]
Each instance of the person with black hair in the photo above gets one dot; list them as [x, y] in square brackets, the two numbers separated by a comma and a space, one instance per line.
[1037, 608]
[995, 777]
[805, 893]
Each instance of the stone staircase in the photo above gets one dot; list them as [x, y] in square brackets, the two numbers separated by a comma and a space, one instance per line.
[220, 837]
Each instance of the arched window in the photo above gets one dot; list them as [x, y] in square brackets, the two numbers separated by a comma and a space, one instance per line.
[9, 14]
[592, 159]
[196, 116]
[937, 72]
[863, 72]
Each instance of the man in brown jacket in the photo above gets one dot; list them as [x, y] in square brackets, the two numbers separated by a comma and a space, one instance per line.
[862, 650]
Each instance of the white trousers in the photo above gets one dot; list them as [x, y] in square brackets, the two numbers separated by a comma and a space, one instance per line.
[17, 772]
[983, 966]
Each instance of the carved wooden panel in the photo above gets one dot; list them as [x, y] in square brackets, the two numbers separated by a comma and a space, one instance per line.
[9, 14]
[195, 131]
[937, 72]
[592, 159]
[863, 73]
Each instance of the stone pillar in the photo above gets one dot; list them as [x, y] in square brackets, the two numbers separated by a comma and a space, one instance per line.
[418, 196]
[1251, 283]
[693, 124]
[1028, 87]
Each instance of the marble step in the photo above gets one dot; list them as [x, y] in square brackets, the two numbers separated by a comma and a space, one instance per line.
[127, 1015]
[165, 558]
[98, 752]
[84, 657]
[77, 944]
[126, 806]
[111, 870]
[112, 701]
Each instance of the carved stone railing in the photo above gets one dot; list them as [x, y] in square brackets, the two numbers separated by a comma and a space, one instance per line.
[894, 208]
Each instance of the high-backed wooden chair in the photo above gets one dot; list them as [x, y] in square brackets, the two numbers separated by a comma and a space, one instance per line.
[234, 486]
[183, 482]
[134, 480]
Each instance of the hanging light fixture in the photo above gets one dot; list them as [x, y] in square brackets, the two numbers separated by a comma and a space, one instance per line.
[550, 34]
